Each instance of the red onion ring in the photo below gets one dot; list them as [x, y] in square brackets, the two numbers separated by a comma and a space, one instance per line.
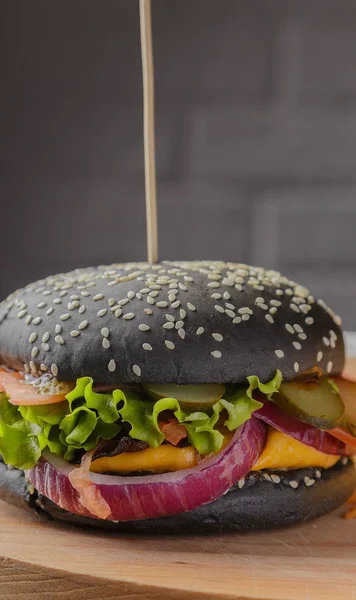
[307, 434]
[148, 496]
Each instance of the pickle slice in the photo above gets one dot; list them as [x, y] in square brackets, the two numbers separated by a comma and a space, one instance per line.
[313, 401]
[189, 396]
[347, 391]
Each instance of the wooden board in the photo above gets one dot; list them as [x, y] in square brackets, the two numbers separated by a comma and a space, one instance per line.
[46, 561]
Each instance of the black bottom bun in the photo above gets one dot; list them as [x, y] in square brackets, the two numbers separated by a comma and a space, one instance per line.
[264, 501]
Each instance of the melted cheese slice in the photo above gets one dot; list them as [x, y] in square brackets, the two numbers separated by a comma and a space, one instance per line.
[156, 460]
[280, 452]
[284, 452]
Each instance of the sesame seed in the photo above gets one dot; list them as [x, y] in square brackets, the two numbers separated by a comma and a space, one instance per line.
[74, 333]
[245, 317]
[131, 294]
[182, 313]
[129, 316]
[213, 284]
[173, 285]
[296, 367]
[241, 483]
[41, 304]
[150, 300]
[259, 300]
[176, 304]
[269, 318]
[226, 295]
[199, 331]
[145, 291]
[57, 301]
[34, 352]
[139, 296]
[263, 306]
[181, 333]
[98, 297]
[302, 336]
[136, 369]
[162, 304]
[294, 307]
[266, 476]
[326, 341]
[58, 329]
[230, 306]
[294, 484]
[102, 312]
[37, 321]
[169, 345]
[276, 303]
[344, 460]
[82, 309]
[230, 313]
[329, 366]
[273, 310]
[45, 347]
[191, 306]
[318, 474]
[245, 311]
[219, 308]
[153, 294]
[124, 301]
[144, 327]
[168, 325]
[238, 287]
[148, 311]
[29, 318]
[112, 366]
[298, 328]
[179, 324]
[228, 282]
[319, 356]
[333, 335]
[33, 367]
[216, 296]
[46, 337]
[105, 332]
[33, 337]
[289, 328]
[188, 278]
[297, 345]
[44, 367]
[147, 346]
[111, 301]
[279, 292]
[217, 336]
[182, 287]
[83, 325]
[54, 370]
[64, 317]
[105, 343]
[308, 481]
[58, 339]
[216, 354]
[118, 312]
[279, 353]
[275, 478]
[237, 320]
[171, 297]
[85, 294]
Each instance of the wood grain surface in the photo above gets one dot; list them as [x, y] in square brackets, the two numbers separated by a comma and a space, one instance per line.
[46, 561]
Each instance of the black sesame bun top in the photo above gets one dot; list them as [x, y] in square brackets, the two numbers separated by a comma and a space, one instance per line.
[174, 322]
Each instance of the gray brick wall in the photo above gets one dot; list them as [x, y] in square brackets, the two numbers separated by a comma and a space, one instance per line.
[256, 136]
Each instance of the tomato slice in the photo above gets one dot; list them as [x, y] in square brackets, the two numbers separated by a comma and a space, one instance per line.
[25, 394]
[343, 435]
[173, 431]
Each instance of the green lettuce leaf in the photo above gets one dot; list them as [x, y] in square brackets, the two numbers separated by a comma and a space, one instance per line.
[86, 417]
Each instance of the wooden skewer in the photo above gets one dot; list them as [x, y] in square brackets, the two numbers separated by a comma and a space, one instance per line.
[149, 130]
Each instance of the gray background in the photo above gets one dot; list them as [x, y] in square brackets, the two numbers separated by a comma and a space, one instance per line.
[256, 137]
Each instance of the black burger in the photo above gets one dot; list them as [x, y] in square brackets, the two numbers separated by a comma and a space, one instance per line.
[175, 397]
